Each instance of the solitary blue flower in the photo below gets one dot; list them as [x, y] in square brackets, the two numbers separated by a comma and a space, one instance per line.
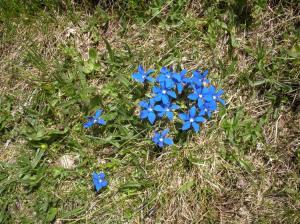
[148, 110]
[161, 140]
[166, 109]
[141, 75]
[96, 119]
[201, 95]
[163, 94]
[191, 120]
[99, 180]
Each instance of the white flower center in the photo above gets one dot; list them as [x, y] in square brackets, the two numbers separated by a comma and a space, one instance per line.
[150, 109]
[214, 97]
[200, 95]
[95, 121]
[205, 110]
[191, 120]
[164, 91]
[168, 109]
[161, 140]
[168, 76]
[143, 76]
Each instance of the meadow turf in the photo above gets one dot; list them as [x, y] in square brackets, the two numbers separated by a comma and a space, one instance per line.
[60, 60]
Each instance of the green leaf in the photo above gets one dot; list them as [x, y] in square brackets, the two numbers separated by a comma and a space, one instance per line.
[92, 54]
[186, 186]
[51, 214]
[39, 154]
[109, 49]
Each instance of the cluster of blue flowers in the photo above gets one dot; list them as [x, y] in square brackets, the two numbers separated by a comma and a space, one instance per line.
[170, 85]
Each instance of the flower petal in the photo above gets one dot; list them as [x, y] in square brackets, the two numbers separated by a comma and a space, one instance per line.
[193, 96]
[168, 141]
[195, 126]
[161, 114]
[174, 107]
[220, 92]
[221, 101]
[177, 77]
[186, 125]
[169, 83]
[179, 88]
[159, 108]
[200, 119]
[200, 103]
[149, 72]
[138, 77]
[164, 132]
[151, 117]
[204, 74]
[88, 124]
[144, 104]
[156, 137]
[103, 183]
[141, 69]
[172, 94]
[161, 144]
[170, 115]
[156, 90]
[150, 79]
[101, 121]
[192, 112]
[144, 114]
[101, 175]
[165, 99]
[98, 114]
[183, 117]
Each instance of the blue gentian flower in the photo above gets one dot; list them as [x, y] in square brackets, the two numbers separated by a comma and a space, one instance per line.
[148, 110]
[161, 140]
[199, 79]
[99, 180]
[191, 119]
[96, 119]
[168, 78]
[166, 109]
[216, 95]
[201, 95]
[142, 76]
[163, 94]
[180, 80]
[207, 108]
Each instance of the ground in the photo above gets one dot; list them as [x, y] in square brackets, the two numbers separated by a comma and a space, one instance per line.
[61, 60]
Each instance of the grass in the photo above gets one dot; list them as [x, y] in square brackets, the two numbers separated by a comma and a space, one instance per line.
[61, 60]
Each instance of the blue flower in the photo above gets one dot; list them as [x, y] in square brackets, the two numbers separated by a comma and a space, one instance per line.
[148, 110]
[168, 78]
[201, 95]
[96, 119]
[99, 180]
[161, 140]
[207, 108]
[191, 120]
[216, 95]
[166, 109]
[180, 80]
[163, 94]
[199, 79]
[142, 76]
